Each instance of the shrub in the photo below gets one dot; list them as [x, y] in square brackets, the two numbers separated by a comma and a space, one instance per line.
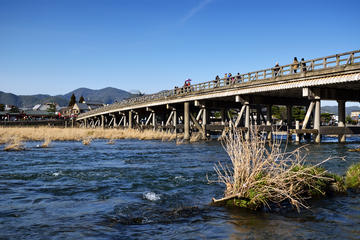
[352, 179]
[263, 174]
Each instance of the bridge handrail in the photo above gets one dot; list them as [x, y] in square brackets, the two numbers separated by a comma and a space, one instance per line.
[306, 66]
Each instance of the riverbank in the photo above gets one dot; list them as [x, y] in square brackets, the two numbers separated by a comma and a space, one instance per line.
[7, 134]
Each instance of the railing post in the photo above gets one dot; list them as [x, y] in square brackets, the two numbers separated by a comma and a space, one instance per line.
[324, 62]
[337, 60]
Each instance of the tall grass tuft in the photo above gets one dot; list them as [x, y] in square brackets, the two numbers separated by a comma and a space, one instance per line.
[87, 141]
[14, 144]
[261, 174]
[352, 178]
[46, 142]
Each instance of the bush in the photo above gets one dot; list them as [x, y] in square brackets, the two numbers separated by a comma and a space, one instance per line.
[261, 175]
[352, 179]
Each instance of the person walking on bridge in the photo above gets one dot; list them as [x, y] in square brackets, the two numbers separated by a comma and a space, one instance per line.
[276, 69]
[217, 81]
[303, 65]
[295, 65]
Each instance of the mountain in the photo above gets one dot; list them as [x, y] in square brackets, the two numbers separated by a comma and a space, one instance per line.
[334, 109]
[106, 95]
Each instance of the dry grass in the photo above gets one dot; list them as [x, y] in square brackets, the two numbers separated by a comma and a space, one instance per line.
[87, 141]
[14, 144]
[46, 142]
[261, 175]
[78, 134]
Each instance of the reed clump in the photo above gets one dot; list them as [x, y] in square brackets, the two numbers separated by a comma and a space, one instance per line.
[46, 143]
[87, 141]
[262, 175]
[352, 178]
[14, 144]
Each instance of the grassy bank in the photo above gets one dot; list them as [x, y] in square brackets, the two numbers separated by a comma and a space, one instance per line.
[8, 134]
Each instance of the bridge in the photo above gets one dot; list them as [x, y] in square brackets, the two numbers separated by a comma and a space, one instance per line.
[242, 101]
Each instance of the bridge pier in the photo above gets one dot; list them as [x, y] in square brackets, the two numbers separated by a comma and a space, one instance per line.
[247, 120]
[269, 120]
[341, 119]
[130, 119]
[186, 121]
[289, 121]
[317, 116]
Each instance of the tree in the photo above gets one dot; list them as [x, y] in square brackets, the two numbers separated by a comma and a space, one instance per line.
[72, 100]
[326, 117]
[349, 120]
[81, 99]
[14, 109]
[298, 113]
[52, 108]
[2, 107]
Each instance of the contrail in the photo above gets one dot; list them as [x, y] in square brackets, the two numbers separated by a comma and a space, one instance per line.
[194, 10]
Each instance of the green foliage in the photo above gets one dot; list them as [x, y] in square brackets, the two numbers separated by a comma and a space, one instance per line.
[52, 108]
[298, 113]
[81, 99]
[279, 112]
[352, 179]
[72, 100]
[14, 109]
[349, 120]
[326, 117]
[2, 107]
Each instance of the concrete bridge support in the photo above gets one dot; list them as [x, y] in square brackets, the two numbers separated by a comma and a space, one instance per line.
[247, 120]
[269, 120]
[130, 119]
[186, 121]
[102, 121]
[341, 120]
[289, 121]
[317, 116]
[204, 121]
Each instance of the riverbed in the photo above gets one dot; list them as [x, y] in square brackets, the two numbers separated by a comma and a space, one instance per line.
[135, 189]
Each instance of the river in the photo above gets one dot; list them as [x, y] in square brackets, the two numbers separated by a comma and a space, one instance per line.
[152, 190]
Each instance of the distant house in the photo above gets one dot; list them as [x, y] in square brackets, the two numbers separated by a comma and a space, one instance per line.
[355, 115]
[45, 106]
[79, 108]
[93, 104]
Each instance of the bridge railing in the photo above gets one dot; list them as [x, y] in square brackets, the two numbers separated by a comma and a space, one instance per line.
[336, 60]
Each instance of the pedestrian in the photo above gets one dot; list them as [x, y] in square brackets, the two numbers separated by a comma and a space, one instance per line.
[228, 79]
[238, 78]
[303, 65]
[276, 69]
[295, 65]
[217, 81]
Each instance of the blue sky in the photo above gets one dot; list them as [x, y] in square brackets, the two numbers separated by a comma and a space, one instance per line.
[55, 46]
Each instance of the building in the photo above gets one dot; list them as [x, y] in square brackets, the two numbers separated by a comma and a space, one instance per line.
[355, 115]
[80, 108]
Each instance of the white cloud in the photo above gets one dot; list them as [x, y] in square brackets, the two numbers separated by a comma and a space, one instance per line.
[195, 10]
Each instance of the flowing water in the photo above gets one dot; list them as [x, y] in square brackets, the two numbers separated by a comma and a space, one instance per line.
[152, 190]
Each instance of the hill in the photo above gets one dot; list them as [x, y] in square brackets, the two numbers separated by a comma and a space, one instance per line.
[334, 109]
[106, 95]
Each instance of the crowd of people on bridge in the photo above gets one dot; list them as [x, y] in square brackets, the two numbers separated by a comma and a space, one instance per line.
[229, 79]
[294, 67]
